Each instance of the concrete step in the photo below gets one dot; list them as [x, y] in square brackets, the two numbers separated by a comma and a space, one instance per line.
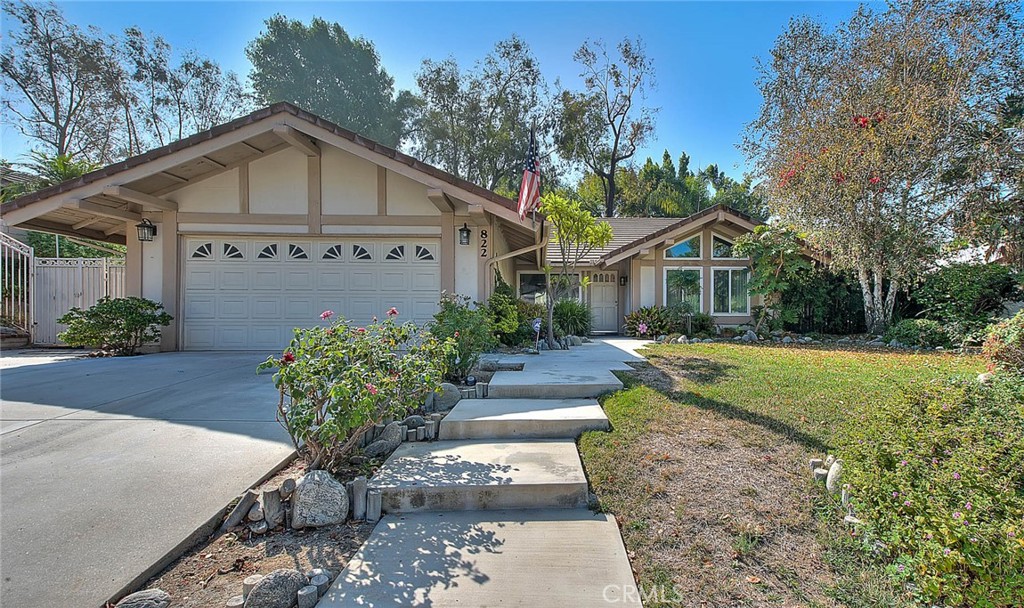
[552, 384]
[529, 559]
[467, 475]
[523, 418]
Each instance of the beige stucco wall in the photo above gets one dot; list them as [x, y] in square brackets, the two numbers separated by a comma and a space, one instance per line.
[217, 194]
[408, 197]
[278, 183]
[467, 267]
[349, 183]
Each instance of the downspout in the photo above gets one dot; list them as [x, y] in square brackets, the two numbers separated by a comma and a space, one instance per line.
[536, 246]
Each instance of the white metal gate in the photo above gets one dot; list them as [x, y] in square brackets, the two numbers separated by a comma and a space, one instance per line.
[65, 283]
[15, 278]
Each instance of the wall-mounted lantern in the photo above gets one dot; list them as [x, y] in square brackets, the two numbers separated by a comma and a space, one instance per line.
[464, 233]
[622, 280]
[146, 230]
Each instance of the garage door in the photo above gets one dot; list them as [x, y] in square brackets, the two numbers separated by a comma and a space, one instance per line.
[249, 294]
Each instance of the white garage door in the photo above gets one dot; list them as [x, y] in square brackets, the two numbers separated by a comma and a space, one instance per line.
[250, 293]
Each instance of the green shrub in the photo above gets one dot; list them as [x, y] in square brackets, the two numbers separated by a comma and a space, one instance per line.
[923, 333]
[470, 329]
[649, 322]
[572, 318]
[338, 381]
[938, 477]
[504, 317]
[966, 298]
[121, 325]
[1004, 345]
[702, 323]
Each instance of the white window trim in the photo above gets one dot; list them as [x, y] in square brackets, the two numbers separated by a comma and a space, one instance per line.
[520, 273]
[729, 240]
[712, 302]
[664, 284]
[700, 248]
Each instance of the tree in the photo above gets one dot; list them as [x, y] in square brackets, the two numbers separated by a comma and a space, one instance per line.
[320, 68]
[576, 233]
[475, 123]
[56, 81]
[603, 125]
[777, 261]
[860, 128]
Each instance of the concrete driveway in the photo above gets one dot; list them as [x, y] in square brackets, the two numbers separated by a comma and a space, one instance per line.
[106, 465]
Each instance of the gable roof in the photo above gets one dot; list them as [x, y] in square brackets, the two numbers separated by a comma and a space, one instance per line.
[677, 226]
[625, 230]
[213, 160]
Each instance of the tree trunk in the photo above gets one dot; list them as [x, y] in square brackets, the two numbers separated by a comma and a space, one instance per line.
[870, 315]
[551, 310]
[609, 201]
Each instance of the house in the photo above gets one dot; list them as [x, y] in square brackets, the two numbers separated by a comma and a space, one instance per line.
[263, 222]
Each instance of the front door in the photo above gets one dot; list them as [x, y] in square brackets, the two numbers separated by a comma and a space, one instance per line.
[604, 301]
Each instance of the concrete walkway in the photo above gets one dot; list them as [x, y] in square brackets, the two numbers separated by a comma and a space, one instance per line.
[106, 465]
[495, 513]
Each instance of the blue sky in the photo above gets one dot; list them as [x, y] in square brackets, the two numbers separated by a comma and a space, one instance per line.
[703, 52]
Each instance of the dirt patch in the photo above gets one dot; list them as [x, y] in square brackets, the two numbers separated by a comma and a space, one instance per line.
[212, 572]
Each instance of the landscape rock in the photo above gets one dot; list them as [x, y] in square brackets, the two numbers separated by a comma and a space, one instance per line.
[844, 496]
[749, 336]
[414, 422]
[321, 582]
[816, 463]
[259, 527]
[695, 341]
[708, 340]
[829, 460]
[576, 340]
[835, 476]
[250, 582]
[820, 474]
[318, 571]
[681, 340]
[787, 340]
[256, 513]
[319, 500]
[853, 521]
[307, 597]
[150, 598]
[390, 438]
[448, 396]
[985, 378]
[236, 601]
[279, 588]
[286, 488]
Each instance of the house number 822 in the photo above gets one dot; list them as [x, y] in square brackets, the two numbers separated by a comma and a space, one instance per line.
[483, 243]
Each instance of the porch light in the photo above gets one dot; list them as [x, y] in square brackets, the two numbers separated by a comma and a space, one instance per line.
[622, 280]
[146, 230]
[464, 233]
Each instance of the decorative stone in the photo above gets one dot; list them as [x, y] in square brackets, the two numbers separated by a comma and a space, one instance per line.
[816, 463]
[150, 598]
[853, 521]
[259, 527]
[319, 500]
[985, 378]
[576, 340]
[255, 513]
[749, 336]
[249, 582]
[430, 430]
[318, 572]
[707, 340]
[429, 404]
[286, 489]
[236, 601]
[321, 582]
[681, 340]
[359, 498]
[447, 397]
[410, 434]
[414, 422]
[835, 476]
[820, 474]
[279, 588]
[787, 340]
[373, 505]
[844, 496]
[421, 433]
[388, 441]
[480, 389]
[307, 597]
[829, 460]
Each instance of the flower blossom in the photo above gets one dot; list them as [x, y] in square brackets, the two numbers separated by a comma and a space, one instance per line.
[861, 121]
[371, 388]
[642, 329]
[360, 330]
[327, 314]
[392, 312]
[874, 180]
[289, 357]
[956, 475]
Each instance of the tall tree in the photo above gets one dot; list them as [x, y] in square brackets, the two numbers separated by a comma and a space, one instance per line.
[861, 127]
[320, 68]
[475, 123]
[604, 124]
[56, 80]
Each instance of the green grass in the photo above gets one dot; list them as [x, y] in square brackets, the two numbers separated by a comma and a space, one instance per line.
[707, 406]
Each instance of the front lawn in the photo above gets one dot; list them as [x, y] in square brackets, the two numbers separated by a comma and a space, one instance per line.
[706, 470]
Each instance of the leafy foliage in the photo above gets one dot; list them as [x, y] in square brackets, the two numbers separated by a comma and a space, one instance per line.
[777, 262]
[648, 322]
[468, 327]
[923, 333]
[937, 475]
[572, 317]
[337, 381]
[320, 68]
[966, 298]
[1004, 345]
[121, 325]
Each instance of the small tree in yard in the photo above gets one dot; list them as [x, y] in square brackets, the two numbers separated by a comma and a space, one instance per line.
[121, 325]
[777, 261]
[576, 233]
[864, 131]
[338, 381]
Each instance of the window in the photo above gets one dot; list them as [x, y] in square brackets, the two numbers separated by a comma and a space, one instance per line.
[232, 252]
[721, 248]
[203, 251]
[361, 253]
[296, 252]
[682, 287]
[533, 287]
[397, 253]
[333, 253]
[269, 252]
[729, 291]
[687, 249]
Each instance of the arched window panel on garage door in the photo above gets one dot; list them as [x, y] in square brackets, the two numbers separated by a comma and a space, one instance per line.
[362, 252]
[266, 251]
[299, 251]
[395, 253]
[332, 252]
[200, 250]
[425, 253]
[233, 251]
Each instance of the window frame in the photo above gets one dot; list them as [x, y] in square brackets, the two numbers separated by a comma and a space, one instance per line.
[519, 283]
[700, 248]
[664, 284]
[731, 269]
[731, 241]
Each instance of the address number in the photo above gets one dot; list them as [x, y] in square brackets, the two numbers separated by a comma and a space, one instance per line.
[483, 243]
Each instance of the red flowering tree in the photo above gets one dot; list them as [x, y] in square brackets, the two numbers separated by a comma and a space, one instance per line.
[863, 130]
[337, 381]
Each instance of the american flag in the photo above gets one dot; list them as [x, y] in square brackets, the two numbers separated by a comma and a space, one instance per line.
[529, 191]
